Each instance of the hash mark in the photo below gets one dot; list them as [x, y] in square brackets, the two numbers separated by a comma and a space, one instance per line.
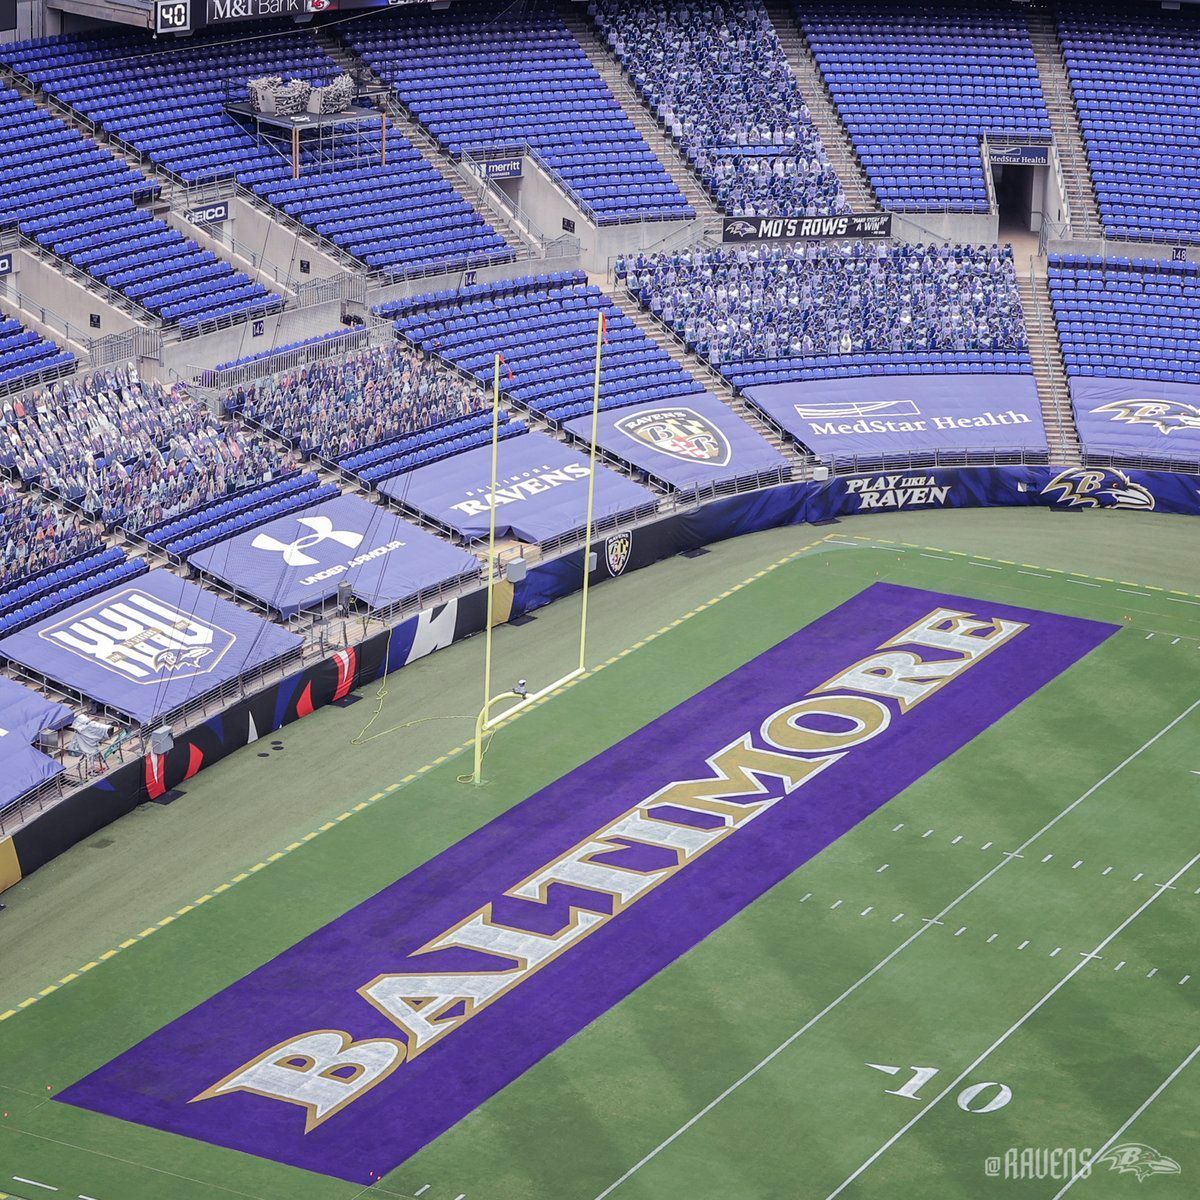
[897, 917]
[1138, 876]
[992, 938]
[898, 827]
[1037, 573]
[806, 896]
[1023, 944]
[1106, 870]
[1152, 972]
[869, 909]
[1047, 858]
[985, 845]
[1185, 979]
[956, 840]
[422, 1190]
[926, 833]
[1054, 952]
[1129, 593]
[835, 904]
[1119, 965]
[1076, 866]
[960, 932]
[941, 556]
[880, 870]
[34, 1183]
[990, 566]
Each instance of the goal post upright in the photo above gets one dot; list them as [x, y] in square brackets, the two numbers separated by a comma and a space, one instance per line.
[485, 721]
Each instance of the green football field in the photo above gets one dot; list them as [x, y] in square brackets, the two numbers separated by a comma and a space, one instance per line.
[988, 981]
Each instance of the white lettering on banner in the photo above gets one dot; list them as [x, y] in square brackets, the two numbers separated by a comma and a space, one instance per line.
[897, 491]
[983, 420]
[683, 820]
[342, 568]
[513, 491]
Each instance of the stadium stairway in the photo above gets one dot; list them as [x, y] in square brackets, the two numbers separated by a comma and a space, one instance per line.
[705, 376]
[825, 116]
[1064, 122]
[433, 154]
[644, 120]
[1049, 369]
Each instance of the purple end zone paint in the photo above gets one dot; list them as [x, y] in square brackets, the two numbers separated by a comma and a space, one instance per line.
[314, 985]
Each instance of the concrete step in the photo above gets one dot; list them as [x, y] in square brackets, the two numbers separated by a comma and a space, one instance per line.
[1064, 123]
[700, 371]
[828, 121]
[639, 112]
[424, 141]
[1049, 370]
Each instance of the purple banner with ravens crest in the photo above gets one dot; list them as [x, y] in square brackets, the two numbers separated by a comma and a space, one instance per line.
[690, 442]
[1138, 416]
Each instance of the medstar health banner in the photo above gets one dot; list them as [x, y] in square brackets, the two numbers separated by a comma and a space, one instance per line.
[1137, 416]
[149, 645]
[904, 414]
[359, 1045]
[541, 490]
[299, 560]
[696, 441]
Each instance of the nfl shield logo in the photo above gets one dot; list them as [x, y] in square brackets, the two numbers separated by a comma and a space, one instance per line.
[616, 552]
[679, 433]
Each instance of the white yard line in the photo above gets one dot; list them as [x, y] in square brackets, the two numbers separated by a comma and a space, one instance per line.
[957, 1081]
[1141, 1108]
[883, 962]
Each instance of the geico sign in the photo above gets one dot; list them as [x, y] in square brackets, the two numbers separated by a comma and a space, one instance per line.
[210, 215]
[5, 264]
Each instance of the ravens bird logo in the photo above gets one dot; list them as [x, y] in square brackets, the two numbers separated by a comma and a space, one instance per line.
[1136, 1158]
[174, 660]
[1167, 416]
[1085, 487]
[742, 229]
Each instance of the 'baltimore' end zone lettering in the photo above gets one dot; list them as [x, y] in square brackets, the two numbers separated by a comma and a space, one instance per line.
[323, 1071]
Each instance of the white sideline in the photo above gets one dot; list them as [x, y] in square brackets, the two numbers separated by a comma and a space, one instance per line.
[956, 1082]
[754, 1070]
[1141, 1108]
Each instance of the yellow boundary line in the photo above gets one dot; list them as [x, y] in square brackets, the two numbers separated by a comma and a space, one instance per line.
[392, 787]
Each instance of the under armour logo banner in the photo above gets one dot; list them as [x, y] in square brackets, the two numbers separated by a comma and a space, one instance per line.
[322, 531]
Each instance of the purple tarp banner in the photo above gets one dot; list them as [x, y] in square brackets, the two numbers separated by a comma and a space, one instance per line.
[149, 645]
[362, 1043]
[541, 490]
[902, 414]
[1137, 416]
[299, 560]
[697, 441]
[23, 715]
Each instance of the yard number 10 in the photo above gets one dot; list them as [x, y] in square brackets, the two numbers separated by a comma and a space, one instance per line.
[973, 1099]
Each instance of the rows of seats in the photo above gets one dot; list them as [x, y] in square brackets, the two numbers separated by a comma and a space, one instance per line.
[481, 79]
[70, 589]
[26, 357]
[38, 538]
[546, 329]
[919, 89]
[346, 403]
[54, 578]
[129, 452]
[168, 101]
[253, 505]
[1130, 318]
[430, 445]
[1135, 76]
[315, 344]
[79, 202]
[817, 311]
[751, 140]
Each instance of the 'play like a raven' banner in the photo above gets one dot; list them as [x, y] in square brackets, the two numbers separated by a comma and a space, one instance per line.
[694, 441]
[351, 1050]
[903, 414]
[148, 646]
[299, 560]
[807, 229]
[541, 491]
[1137, 416]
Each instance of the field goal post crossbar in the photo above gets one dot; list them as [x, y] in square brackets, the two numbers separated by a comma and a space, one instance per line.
[485, 722]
